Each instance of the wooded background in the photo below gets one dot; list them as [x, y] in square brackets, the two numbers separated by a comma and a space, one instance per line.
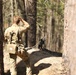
[50, 16]
[45, 18]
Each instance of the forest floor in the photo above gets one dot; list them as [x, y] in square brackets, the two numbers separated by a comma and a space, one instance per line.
[42, 62]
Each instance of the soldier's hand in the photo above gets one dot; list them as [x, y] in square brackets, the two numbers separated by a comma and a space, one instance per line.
[19, 51]
[20, 18]
[22, 51]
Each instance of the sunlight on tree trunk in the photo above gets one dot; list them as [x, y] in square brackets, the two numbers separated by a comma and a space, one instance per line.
[69, 53]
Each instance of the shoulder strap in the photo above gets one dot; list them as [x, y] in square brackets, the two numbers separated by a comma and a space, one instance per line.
[19, 37]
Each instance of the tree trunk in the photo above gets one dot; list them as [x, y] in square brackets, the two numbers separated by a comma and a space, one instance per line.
[30, 9]
[48, 31]
[15, 8]
[69, 53]
[1, 40]
[7, 16]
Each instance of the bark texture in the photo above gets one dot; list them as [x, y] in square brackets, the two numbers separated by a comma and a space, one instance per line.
[69, 53]
[30, 8]
[1, 40]
[47, 29]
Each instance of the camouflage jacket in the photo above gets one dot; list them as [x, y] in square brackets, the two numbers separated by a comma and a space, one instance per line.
[14, 33]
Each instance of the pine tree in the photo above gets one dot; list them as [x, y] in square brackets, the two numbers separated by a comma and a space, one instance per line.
[69, 53]
[30, 9]
[1, 40]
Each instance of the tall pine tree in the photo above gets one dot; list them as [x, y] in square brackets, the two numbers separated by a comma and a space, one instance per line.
[1, 40]
[30, 9]
[69, 53]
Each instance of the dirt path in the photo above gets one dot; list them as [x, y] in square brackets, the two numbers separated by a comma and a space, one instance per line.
[42, 63]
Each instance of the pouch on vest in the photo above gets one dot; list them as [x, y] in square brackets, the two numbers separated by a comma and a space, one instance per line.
[11, 48]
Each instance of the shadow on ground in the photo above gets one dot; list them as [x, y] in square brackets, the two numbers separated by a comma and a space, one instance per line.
[40, 55]
[36, 57]
[40, 67]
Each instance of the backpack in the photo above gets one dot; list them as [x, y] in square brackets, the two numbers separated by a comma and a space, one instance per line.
[12, 44]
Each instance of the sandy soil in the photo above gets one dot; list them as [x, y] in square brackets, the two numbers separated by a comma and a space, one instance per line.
[42, 62]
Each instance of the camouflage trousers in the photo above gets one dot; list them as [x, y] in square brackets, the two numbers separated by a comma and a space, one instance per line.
[24, 55]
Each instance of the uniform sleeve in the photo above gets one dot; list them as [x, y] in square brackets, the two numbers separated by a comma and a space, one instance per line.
[24, 28]
[6, 34]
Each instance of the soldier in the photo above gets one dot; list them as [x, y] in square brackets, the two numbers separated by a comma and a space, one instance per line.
[41, 44]
[15, 45]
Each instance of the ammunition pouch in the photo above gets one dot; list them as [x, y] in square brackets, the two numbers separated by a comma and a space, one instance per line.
[12, 48]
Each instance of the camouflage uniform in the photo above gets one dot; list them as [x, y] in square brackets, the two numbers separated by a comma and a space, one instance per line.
[16, 32]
